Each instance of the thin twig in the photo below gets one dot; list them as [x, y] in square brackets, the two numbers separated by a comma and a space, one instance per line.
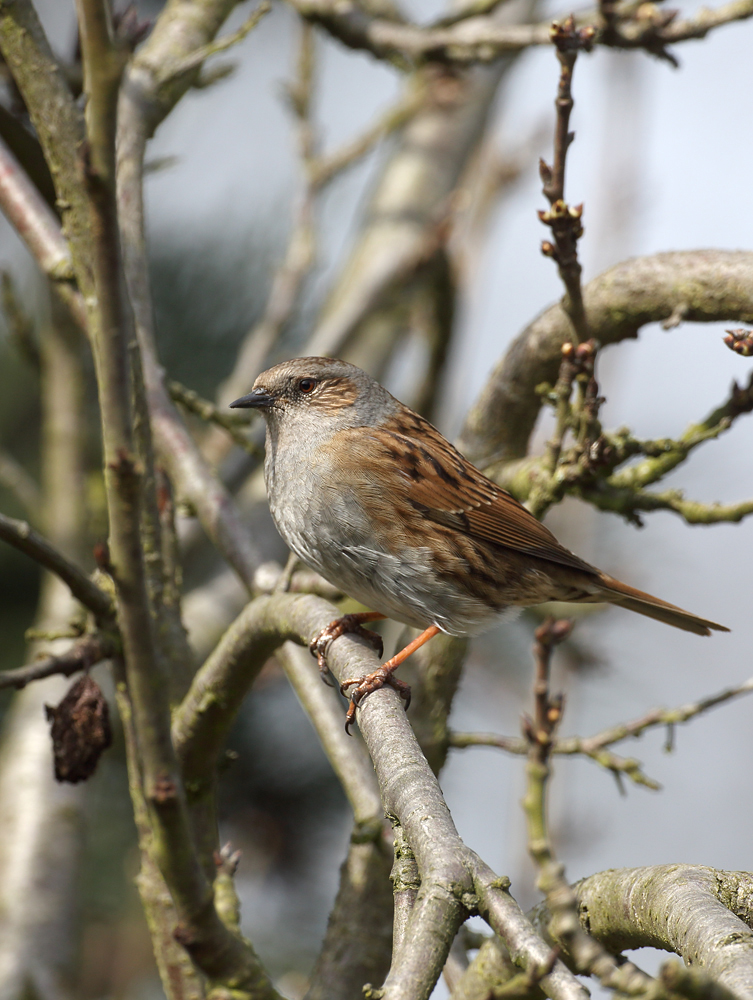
[81, 656]
[587, 954]
[327, 166]
[569, 746]
[186, 64]
[23, 537]
[563, 220]
[595, 746]
[230, 422]
[663, 456]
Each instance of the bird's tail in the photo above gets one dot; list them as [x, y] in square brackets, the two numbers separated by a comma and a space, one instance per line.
[621, 594]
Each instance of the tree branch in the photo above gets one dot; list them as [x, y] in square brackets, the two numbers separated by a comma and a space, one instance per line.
[39, 228]
[23, 537]
[482, 39]
[81, 656]
[58, 123]
[564, 221]
[699, 913]
[147, 96]
[230, 422]
[410, 791]
[595, 746]
[358, 943]
[711, 285]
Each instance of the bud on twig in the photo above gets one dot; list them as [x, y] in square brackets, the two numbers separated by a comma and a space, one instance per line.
[740, 341]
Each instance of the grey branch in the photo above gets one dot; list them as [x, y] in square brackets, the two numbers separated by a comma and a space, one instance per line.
[411, 206]
[409, 790]
[23, 537]
[699, 913]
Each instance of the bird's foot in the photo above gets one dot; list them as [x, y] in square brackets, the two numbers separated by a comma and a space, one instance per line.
[352, 624]
[364, 686]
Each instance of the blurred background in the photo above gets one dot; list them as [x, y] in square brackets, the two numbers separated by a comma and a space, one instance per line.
[662, 161]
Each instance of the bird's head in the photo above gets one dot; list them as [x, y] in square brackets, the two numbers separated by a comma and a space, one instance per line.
[310, 390]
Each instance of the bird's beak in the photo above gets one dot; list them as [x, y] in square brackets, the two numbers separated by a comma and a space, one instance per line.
[256, 398]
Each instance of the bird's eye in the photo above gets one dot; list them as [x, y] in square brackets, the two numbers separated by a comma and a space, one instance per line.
[307, 385]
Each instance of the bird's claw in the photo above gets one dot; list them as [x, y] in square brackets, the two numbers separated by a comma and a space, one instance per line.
[367, 685]
[320, 644]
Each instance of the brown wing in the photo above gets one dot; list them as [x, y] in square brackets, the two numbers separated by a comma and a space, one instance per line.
[445, 487]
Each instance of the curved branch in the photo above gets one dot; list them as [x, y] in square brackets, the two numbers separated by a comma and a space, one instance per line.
[699, 913]
[703, 286]
[23, 537]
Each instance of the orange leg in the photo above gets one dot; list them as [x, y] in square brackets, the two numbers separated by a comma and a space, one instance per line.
[384, 675]
[348, 623]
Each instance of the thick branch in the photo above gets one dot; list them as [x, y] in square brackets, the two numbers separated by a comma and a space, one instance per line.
[409, 791]
[699, 913]
[707, 285]
[358, 943]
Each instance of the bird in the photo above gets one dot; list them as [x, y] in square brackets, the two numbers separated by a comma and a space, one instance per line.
[373, 497]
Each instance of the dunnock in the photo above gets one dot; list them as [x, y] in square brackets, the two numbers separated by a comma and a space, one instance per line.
[369, 494]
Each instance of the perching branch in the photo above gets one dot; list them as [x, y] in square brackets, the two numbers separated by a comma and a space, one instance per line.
[358, 943]
[409, 790]
[21, 536]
